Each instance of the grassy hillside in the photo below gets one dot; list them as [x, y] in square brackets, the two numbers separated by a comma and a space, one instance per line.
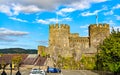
[18, 51]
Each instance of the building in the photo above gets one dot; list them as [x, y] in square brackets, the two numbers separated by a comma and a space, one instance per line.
[64, 43]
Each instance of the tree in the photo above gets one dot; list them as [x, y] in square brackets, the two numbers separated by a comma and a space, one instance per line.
[3, 63]
[43, 53]
[17, 61]
[87, 62]
[108, 57]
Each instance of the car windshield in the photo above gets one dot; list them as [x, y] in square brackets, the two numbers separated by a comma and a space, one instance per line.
[36, 72]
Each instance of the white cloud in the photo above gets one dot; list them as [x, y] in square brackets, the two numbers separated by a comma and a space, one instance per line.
[7, 32]
[6, 35]
[112, 25]
[32, 6]
[13, 44]
[84, 4]
[109, 13]
[117, 17]
[17, 19]
[116, 27]
[42, 21]
[116, 7]
[67, 19]
[63, 11]
[93, 13]
[78, 5]
[88, 13]
[6, 39]
[25, 9]
[111, 22]
[52, 20]
[5, 9]
[47, 21]
[42, 42]
[85, 26]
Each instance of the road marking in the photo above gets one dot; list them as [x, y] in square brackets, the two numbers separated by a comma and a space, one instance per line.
[61, 73]
[83, 72]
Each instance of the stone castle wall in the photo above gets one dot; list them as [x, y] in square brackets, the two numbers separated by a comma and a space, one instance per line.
[58, 35]
[64, 43]
[98, 33]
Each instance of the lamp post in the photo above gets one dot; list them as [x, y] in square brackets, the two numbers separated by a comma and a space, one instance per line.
[18, 72]
[11, 68]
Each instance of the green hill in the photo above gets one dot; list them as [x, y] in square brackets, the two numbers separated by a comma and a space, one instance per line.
[18, 51]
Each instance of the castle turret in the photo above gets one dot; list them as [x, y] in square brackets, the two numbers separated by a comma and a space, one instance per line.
[41, 49]
[98, 33]
[59, 35]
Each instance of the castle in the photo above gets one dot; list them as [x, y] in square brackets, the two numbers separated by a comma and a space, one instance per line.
[64, 43]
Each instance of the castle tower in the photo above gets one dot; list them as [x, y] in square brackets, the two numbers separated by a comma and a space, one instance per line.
[98, 33]
[59, 35]
[41, 49]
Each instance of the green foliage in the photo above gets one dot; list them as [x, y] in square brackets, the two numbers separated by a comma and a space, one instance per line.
[3, 64]
[88, 62]
[71, 63]
[66, 63]
[1, 54]
[17, 60]
[108, 57]
[18, 50]
[43, 53]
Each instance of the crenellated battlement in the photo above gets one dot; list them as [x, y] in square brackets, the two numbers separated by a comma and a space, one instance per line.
[64, 42]
[74, 35]
[64, 26]
[98, 33]
[99, 25]
[79, 39]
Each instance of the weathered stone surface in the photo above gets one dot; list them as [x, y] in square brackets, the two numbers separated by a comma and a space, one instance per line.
[66, 44]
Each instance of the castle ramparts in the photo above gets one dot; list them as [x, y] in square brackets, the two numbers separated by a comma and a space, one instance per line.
[64, 42]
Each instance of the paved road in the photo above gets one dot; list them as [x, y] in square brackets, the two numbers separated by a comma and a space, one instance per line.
[64, 72]
[79, 72]
[67, 72]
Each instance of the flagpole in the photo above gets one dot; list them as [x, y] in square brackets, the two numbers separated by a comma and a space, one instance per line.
[97, 19]
[57, 18]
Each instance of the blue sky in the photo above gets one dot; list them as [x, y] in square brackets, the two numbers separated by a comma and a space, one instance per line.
[25, 23]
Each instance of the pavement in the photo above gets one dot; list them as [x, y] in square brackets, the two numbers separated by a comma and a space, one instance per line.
[26, 71]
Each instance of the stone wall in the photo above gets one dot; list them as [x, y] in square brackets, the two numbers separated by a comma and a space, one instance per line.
[98, 33]
[64, 43]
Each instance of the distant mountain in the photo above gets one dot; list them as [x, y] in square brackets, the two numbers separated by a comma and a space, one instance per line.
[18, 51]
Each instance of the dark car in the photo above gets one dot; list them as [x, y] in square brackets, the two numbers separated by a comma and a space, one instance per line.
[53, 70]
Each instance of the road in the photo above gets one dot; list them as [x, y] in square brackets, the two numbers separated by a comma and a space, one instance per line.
[71, 72]
[64, 72]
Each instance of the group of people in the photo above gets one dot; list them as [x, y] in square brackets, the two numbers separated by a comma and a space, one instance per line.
[4, 73]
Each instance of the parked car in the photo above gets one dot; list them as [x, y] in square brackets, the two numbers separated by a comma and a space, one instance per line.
[37, 72]
[53, 70]
[44, 73]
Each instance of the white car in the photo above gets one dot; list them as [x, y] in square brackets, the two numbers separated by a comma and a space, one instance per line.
[37, 72]
[42, 71]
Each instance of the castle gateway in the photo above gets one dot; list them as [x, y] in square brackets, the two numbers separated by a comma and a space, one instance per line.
[64, 43]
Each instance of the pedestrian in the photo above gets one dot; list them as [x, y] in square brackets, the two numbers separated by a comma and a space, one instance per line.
[18, 73]
[3, 73]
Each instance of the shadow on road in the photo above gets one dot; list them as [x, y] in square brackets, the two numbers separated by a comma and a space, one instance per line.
[104, 72]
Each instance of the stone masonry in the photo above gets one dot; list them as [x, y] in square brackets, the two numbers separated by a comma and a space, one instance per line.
[66, 44]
